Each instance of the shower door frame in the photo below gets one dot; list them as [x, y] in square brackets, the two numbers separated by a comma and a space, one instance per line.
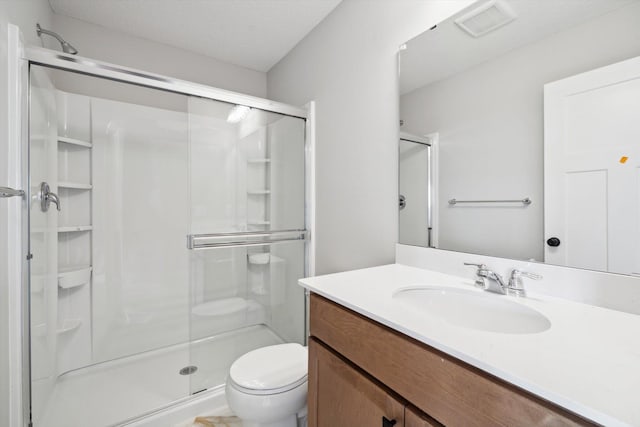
[20, 59]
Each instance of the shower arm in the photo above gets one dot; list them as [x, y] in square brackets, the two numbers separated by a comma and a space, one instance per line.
[41, 31]
[66, 46]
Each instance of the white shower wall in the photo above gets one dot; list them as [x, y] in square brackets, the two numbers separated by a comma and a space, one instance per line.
[140, 211]
[157, 175]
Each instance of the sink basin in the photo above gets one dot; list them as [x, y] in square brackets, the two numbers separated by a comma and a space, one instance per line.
[471, 309]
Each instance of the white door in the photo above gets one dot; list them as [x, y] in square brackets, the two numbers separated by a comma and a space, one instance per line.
[592, 169]
[414, 186]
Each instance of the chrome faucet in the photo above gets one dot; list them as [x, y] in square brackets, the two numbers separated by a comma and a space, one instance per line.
[516, 287]
[492, 282]
[488, 280]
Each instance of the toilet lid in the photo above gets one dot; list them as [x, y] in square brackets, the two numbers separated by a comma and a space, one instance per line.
[272, 369]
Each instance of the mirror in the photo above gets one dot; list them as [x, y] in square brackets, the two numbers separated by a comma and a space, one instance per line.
[531, 114]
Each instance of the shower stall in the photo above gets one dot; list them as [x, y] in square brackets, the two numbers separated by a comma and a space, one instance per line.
[166, 226]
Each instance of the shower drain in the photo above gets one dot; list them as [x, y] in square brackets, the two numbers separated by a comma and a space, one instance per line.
[188, 370]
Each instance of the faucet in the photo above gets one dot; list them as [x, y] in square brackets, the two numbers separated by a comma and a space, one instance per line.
[492, 282]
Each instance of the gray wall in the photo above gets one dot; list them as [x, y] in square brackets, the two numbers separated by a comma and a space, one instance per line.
[347, 64]
[490, 122]
[101, 43]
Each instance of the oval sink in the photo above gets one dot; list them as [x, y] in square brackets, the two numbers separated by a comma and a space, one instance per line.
[474, 309]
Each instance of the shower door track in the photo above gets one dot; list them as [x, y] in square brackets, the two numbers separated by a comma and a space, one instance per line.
[91, 67]
[85, 66]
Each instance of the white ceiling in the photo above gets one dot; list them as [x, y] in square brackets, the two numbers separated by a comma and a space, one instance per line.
[251, 33]
[447, 50]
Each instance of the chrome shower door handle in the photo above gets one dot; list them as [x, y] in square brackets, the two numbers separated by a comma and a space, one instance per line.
[10, 192]
[47, 197]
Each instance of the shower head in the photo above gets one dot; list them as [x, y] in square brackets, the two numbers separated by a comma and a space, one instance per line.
[66, 47]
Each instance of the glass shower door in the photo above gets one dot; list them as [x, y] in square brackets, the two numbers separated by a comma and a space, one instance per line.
[109, 291]
[43, 239]
[247, 235]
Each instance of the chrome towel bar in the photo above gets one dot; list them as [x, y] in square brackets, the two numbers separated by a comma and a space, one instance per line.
[525, 201]
[245, 238]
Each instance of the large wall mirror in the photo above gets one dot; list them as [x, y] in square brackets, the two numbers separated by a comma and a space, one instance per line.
[520, 124]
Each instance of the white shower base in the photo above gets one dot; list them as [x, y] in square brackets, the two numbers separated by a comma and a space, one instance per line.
[120, 391]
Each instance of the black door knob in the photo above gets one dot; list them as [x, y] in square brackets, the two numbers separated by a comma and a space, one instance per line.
[553, 241]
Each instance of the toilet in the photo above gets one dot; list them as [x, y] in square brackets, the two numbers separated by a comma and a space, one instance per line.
[267, 387]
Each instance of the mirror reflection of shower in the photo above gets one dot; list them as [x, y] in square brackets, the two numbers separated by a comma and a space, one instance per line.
[66, 46]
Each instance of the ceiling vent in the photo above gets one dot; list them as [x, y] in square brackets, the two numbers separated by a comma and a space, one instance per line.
[485, 18]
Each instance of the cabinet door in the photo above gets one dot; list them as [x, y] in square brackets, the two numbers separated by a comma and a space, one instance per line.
[415, 418]
[341, 396]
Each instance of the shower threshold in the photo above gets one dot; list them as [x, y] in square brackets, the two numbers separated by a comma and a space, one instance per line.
[115, 392]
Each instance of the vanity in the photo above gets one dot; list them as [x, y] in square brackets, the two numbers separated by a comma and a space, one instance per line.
[381, 353]
[518, 150]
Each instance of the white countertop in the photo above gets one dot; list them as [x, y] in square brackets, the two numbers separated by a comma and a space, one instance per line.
[587, 362]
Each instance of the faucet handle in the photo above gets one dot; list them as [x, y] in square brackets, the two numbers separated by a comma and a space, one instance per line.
[516, 287]
[480, 266]
[517, 274]
[481, 281]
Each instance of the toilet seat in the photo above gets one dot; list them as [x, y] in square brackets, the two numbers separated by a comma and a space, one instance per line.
[270, 370]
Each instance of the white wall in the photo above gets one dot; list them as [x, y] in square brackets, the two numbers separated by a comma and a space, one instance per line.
[24, 13]
[490, 122]
[93, 41]
[348, 65]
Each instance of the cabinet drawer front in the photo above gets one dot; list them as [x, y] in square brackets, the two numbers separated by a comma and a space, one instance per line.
[414, 418]
[447, 389]
[341, 396]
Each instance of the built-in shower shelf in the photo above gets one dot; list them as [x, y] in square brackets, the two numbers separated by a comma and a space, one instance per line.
[73, 278]
[74, 228]
[68, 325]
[75, 185]
[73, 141]
[258, 192]
[258, 222]
[264, 259]
[220, 307]
[259, 259]
[259, 160]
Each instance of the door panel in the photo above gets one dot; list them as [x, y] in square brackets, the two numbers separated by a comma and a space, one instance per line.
[341, 396]
[592, 157]
[414, 179]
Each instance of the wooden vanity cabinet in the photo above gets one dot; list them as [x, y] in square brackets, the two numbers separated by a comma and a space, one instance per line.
[361, 371]
[343, 396]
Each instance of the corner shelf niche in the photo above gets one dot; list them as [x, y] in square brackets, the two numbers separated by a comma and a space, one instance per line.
[74, 277]
[75, 228]
[74, 185]
[68, 325]
[259, 161]
[72, 141]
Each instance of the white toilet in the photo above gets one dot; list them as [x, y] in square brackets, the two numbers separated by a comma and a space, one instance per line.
[267, 387]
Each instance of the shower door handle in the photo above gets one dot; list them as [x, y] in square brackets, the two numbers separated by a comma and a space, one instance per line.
[47, 197]
[10, 192]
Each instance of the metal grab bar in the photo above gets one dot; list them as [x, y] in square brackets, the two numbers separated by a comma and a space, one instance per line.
[246, 238]
[10, 192]
[525, 201]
